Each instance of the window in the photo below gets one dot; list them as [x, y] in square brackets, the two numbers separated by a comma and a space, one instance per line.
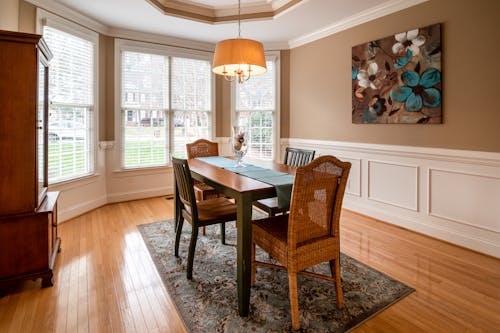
[191, 101]
[71, 112]
[166, 102]
[145, 140]
[256, 109]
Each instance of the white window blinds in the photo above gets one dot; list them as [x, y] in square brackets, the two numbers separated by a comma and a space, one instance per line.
[71, 69]
[255, 109]
[258, 93]
[71, 97]
[191, 102]
[144, 80]
[191, 81]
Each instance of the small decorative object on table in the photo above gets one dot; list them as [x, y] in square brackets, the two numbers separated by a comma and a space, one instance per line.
[239, 143]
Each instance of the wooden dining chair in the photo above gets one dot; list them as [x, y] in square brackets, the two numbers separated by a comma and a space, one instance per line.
[203, 148]
[310, 234]
[293, 157]
[198, 214]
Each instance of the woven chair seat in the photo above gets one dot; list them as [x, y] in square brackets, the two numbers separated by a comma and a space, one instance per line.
[272, 234]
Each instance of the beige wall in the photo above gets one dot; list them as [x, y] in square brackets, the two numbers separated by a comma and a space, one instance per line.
[222, 107]
[320, 88]
[9, 15]
[27, 17]
[106, 88]
[285, 94]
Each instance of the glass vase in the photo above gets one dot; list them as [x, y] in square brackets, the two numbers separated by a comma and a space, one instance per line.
[239, 144]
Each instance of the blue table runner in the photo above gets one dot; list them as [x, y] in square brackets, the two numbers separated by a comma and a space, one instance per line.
[283, 182]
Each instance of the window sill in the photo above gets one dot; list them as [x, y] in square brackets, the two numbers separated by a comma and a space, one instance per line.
[75, 182]
[141, 171]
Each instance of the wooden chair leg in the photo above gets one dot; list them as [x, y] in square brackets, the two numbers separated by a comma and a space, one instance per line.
[204, 231]
[223, 233]
[335, 269]
[253, 267]
[192, 247]
[178, 232]
[294, 301]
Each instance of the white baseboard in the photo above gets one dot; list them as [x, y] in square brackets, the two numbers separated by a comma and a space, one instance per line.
[142, 194]
[75, 210]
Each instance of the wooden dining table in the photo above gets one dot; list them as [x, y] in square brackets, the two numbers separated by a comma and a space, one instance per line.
[245, 191]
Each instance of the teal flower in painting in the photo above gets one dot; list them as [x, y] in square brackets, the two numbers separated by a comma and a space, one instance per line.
[403, 60]
[355, 71]
[419, 90]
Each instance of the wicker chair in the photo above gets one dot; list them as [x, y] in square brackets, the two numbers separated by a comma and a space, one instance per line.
[203, 148]
[294, 157]
[203, 213]
[309, 235]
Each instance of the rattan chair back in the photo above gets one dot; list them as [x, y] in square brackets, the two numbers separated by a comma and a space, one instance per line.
[316, 202]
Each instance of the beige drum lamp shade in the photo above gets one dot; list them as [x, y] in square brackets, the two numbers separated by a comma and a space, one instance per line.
[239, 57]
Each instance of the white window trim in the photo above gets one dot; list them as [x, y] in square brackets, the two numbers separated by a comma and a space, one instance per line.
[44, 18]
[160, 49]
[275, 56]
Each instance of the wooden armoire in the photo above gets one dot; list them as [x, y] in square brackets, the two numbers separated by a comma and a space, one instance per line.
[28, 212]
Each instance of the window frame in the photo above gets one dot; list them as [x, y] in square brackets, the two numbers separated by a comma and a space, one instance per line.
[44, 18]
[275, 57]
[163, 50]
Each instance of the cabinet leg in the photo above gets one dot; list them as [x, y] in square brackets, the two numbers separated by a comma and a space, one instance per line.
[47, 281]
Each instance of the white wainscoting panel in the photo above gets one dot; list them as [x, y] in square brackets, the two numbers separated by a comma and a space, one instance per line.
[353, 186]
[393, 184]
[453, 195]
[477, 202]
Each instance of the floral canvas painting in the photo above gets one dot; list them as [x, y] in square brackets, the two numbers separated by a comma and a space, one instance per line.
[398, 79]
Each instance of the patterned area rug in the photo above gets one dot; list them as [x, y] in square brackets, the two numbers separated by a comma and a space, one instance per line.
[208, 303]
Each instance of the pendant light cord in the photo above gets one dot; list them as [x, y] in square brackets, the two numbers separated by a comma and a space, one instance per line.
[239, 18]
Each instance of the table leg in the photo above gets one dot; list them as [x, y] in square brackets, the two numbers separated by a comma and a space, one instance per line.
[244, 223]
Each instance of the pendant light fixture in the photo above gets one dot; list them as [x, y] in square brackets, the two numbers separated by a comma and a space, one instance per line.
[239, 57]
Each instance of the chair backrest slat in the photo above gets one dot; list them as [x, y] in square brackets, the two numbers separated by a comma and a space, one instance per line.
[184, 182]
[298, 157]
[317, 197]
[202, 148]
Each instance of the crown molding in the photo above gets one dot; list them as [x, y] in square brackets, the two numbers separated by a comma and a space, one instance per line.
[367, 15]
[71, 15]
[76, 17]
[210, 14]
[161, 39]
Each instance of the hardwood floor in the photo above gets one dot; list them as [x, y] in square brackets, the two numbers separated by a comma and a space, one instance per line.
[105, 280]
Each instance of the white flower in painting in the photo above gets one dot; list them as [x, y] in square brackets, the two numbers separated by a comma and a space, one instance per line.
[370, 77]
[408, 40]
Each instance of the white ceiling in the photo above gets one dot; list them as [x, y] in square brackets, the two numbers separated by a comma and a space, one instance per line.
[302, 20]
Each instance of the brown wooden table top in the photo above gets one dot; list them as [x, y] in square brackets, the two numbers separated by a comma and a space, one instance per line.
[235, 181]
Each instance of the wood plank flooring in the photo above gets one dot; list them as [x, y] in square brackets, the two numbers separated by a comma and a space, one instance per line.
[105, 280]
